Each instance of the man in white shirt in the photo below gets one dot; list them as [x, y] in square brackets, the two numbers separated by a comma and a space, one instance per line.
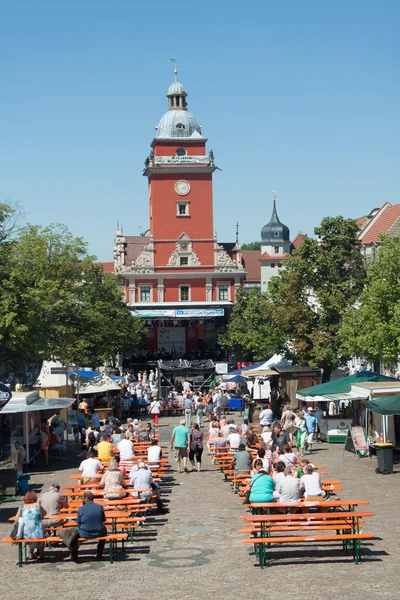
[266, 416]
[226, 430]
[234, 439]
[90, 467]
[288, 488]
[154, 453]
[142, 479]
[217, 403]
[125, 447]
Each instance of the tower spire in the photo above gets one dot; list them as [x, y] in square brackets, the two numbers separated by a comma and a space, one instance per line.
[237, 233]
[274, 212]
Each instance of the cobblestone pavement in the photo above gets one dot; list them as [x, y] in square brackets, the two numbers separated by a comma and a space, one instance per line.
[195, 551]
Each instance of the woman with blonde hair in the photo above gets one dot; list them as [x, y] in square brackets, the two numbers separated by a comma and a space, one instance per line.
[113, 481]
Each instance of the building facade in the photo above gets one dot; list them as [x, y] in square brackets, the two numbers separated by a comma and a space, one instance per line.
[179, 277]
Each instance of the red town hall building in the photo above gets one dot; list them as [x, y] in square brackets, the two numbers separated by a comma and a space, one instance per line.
[179, 278]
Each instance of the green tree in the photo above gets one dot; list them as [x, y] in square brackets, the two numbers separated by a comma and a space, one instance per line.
[55, 303]
[309, 299]
[371, 327]
[250, 333]
[251, 246]
[98, 325]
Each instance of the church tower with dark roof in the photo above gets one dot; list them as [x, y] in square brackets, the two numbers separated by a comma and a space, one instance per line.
[275, 247]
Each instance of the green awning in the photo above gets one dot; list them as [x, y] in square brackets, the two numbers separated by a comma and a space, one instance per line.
[343, 385]
[385, 405]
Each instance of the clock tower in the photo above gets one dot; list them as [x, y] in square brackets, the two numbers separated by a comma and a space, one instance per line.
[179, 173]
[179, 277]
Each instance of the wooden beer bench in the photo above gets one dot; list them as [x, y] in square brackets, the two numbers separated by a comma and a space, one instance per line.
[111, 538]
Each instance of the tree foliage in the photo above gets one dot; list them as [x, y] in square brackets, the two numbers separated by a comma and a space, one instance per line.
[310, 297]
[55, 303]
[371, 328]
[250, 333]
[251, 246]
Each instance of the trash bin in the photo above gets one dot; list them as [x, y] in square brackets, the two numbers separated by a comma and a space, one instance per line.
[8, 480]
[384, 453]
[23, 483]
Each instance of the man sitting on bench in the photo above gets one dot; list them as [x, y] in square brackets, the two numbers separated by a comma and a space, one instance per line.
[91, 519]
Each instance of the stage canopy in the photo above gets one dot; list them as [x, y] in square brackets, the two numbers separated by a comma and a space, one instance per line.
[190, 366]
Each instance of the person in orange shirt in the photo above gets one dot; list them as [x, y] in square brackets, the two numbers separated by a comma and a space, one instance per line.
[84, 406]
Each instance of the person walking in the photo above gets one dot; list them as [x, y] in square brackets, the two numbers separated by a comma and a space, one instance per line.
[180, 441]
[311, 423]
[300, 428]
[155, 409]
[196, 447]
[287, 419]
[188, 405]
[199, 408]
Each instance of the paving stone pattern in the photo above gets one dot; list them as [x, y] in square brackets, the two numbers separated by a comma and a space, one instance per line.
[195, 551]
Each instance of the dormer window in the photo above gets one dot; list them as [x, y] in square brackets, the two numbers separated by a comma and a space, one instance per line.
[276, 233]
[180, 152]
[180, 126]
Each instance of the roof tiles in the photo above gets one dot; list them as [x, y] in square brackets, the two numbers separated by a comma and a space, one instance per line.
[382, 224]
[252, 265]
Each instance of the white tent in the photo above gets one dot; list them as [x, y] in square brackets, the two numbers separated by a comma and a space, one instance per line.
[97, 384]
[47, 379]
[276, 360]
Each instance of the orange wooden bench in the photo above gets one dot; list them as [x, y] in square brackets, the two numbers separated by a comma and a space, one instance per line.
[344, 537]
[112, 538]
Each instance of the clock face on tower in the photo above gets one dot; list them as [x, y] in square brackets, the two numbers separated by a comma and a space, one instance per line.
[182, 187]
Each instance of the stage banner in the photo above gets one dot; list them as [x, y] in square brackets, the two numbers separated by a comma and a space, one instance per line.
[171, 339]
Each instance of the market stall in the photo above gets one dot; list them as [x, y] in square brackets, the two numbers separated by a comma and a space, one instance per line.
[23, 414]
[386, 406]
[295, 377]
[53, 380]
[383, 422]
[342, 402]
[97, 388]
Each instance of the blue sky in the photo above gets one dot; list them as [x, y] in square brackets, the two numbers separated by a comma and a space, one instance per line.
[301, 96]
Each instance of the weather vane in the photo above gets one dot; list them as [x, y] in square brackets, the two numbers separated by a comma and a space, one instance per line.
[174, 60]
